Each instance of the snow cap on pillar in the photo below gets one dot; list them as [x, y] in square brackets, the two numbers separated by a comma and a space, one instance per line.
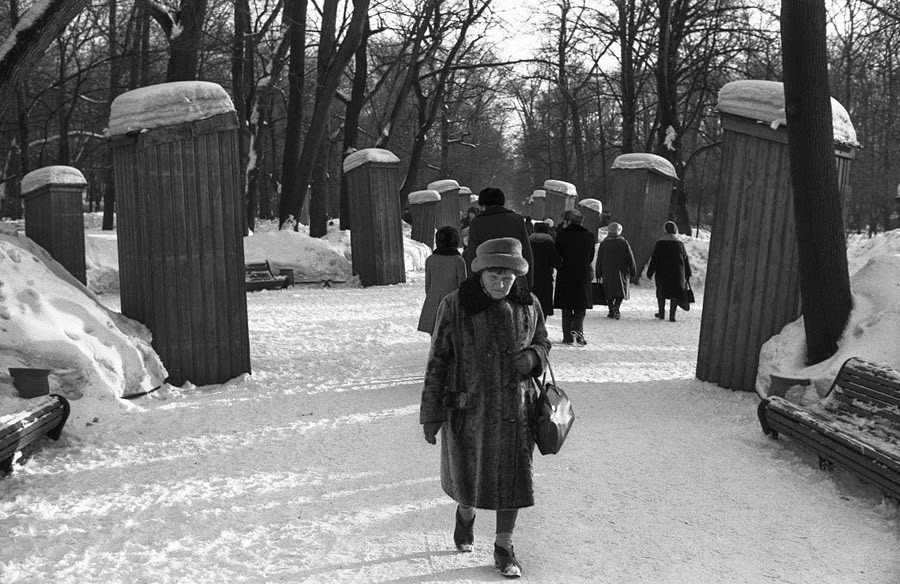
[52, 175]
[593, 204]
[763, 101]
[442, 186]
[644, 160]
[426, 196]
[166, 104]
[367, 155]
[538, 194]
[559, 186]
[465, 190]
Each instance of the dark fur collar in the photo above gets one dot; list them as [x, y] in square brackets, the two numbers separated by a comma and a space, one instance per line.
[574, 227]
[495, 210]
[445, 251]
[537, 237]
[473, 298]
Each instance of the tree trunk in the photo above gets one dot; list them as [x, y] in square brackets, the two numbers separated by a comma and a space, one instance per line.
[292, 202]
[293, 188]
[351, 119]
[184, 48]
[824, 279]
[242, 91]
[115, 76]
[45, 22]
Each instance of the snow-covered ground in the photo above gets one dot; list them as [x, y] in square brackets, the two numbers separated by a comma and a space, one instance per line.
[314, 469]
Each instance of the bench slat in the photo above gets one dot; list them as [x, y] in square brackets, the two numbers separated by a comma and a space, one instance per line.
[789, 410]
[890, 421]
[883, 477]
[45, 416]
[39, 425]
[878, 394]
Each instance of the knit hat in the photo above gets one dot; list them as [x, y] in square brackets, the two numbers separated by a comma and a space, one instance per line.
[614, 228]
[503, 252]
[670, 227]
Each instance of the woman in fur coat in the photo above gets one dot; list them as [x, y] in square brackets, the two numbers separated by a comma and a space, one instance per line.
[546, 259]
[445, 270]
[488, 340]
[669, 263]
[615, 264]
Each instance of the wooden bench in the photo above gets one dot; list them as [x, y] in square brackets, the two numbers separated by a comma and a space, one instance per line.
[259, 276]
[856, 425]
[44, 416]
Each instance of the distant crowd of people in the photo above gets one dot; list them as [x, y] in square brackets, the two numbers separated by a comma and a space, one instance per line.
[485, 310]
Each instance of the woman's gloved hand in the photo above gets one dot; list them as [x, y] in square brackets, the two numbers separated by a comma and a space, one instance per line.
[431, 429]
[526, 360]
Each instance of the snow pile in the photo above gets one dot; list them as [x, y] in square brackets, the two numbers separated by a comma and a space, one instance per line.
[414, 252]
[860, 248]
[443, 186]
[166, 104]
[558, 186]
[101, 259]
[593, 204]
[49, 320]
[871, 331]
[764, 101]
[312, 259]
[52, 175]
[369, 155]
[644, 160]
[426, 196]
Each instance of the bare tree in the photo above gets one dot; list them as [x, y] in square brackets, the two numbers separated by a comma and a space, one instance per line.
[824, 279]
[184, 29]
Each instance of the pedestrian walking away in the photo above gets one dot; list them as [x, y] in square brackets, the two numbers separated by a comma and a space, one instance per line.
[670, 266]
[615, 263]
[497, 221]
[489, 340]
[546, 259]
[445, 270]
[573, 295]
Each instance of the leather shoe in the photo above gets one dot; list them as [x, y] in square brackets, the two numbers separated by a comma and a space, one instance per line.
[505, 560]
[464, 533]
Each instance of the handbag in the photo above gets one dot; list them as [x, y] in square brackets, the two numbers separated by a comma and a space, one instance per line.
[553, 415]
[687, 296]
[599, 295]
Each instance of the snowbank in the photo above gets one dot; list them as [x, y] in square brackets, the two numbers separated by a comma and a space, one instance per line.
[101, 258]
[871, 332]
[166, 104]
[312, 259]
[50, 320]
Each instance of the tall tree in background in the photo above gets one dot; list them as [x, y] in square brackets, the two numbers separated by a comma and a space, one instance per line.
[184, 29]
[824, 277]
[290, 180]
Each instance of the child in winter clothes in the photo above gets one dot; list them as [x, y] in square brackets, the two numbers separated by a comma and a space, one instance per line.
[445, 270]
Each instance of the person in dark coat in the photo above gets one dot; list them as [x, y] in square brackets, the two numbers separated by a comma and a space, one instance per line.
[669, 263]
[489, 339]
[615, 263]
[546, 259]
[575, 245]
[445, 270]
[497, 221]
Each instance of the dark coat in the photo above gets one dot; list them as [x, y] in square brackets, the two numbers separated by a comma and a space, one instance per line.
[546, 259]
[575, 245]
[615, 264]
[498, 221]
[444, 272]
[486, 438]
[669, 263]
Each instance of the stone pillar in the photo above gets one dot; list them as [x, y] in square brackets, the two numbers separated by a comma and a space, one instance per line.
[54, 217]
[376, 242]
[448, 209]
[561, 197]
[539, 205]
[423, 206]
[752, 278]
[180, 224]
[592, 210]
[639, 201]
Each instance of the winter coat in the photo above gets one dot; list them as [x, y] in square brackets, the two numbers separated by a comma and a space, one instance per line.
[472, 386]
[498, 221]
[546, 259]
[575, 245]
[615, 264]
[669, 263]
[445, 270]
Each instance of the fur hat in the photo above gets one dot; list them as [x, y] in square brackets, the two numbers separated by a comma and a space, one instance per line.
[614, 228]
[503, 252]
[670, 227]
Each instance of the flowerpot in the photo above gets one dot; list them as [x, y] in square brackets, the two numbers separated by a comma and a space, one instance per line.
[30, 382]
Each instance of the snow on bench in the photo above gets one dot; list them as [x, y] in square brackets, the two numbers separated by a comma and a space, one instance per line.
[856, 425]
[43, 416]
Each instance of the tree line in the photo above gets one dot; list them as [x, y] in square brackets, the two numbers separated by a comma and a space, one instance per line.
[429, 80]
